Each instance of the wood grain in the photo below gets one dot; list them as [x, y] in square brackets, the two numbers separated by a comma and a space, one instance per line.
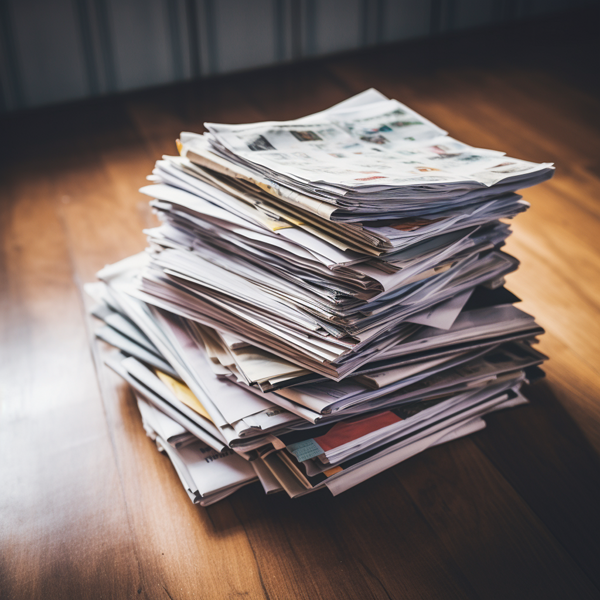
[90, 509]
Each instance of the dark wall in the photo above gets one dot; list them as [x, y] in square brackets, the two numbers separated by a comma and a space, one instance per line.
[56, 50]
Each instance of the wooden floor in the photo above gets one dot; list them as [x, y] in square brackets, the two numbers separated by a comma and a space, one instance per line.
[88, 507]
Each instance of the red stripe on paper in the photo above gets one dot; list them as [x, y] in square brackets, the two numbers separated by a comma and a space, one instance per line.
[347, 431]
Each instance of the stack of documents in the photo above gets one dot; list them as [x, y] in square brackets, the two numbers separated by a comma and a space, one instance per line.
[323, 299]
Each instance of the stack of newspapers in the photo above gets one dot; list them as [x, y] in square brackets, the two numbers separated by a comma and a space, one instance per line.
[323, 299]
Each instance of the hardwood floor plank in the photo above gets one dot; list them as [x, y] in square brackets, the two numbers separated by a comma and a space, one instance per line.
[500, 544]
[64, 530]
[367, 543]
[553, 469]
[575, 385]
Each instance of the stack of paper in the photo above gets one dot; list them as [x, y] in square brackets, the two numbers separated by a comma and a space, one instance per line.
[323, 299]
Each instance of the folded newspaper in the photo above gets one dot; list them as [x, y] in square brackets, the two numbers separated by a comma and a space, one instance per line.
[323, 299]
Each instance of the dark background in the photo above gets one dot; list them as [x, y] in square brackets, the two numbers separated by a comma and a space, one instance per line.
[57, 50]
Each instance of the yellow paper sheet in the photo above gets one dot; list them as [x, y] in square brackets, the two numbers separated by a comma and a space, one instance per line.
[183, 393]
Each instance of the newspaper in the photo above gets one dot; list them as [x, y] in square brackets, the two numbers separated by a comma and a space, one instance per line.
[383, 144]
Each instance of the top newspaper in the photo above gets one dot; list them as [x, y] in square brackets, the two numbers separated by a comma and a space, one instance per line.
[367, 144]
